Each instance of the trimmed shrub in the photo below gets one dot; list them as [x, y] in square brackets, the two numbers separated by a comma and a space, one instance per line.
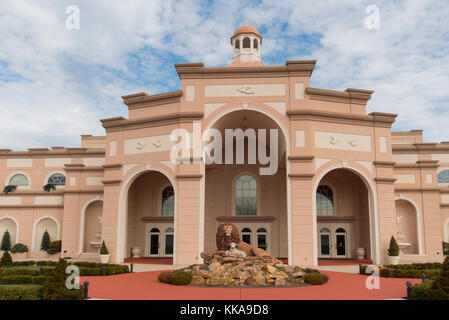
[446, 248]
[45, 243]
[440, 287]
[46, 263]
[6, 241]
[314, 278]
[325, 277]
[24, 263]
[28, 271]
[90, 271]
[165, 277]
[180, 278]
[6, 259]
[55, 288]
[421, 291]
[20, 292]
[393, 250]
[104, 249]
[54, 247]
[16, 279]
[40, 280]
[19, 248]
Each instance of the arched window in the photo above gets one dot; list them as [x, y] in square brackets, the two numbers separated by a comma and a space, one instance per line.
[246, 43]
[19, 180]
[168, 201]
[443, 176]
[324, 201]
[340, 230]
[237, 44]
[57, 179]
[246, 196]
[256, 44]
[246, 235]
[325, 230]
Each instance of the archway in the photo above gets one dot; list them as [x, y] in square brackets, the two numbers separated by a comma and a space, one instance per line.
[239, 192]
[409, 225]
[150, 206]
[344, 199]
[49, 224]
[10, 224]
[92, 228]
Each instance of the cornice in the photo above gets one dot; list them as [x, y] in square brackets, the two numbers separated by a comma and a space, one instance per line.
[301, 176]
[189, 176]
[140, 100]
[417, 189]
[384, 164]
[120, 123]
[58, 152]
[147, 219]
[111, 182]
[82, 168]
[246, 218]
[116, 166]
[385, 180]
[350, 95]
[373, 119]
[301, 158]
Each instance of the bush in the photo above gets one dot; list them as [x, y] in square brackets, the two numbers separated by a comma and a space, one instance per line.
[54, 247]
[16, 279]
[421, 291]
[6, 241]
[20, 292]
[393, 250]
[19, 248]
[24, 263]
[46, 263]
[40, 280]
[54, 287]
[6, 259]
[104, 249]
[116, 269]
[90, 271]
[165, 277]
[181, 278]
[314, 278]
[440, 287]
[45, 241]
[19, 271]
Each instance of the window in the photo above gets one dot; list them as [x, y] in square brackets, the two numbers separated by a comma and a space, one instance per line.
[443, 176]
[57, 179]
[324, 201]
[246, 43]
[169, 241]
[246, 235]
[168, 201]
[19, 180]
[246, 196]
[262, 238]
[256, 44]
[237, 44]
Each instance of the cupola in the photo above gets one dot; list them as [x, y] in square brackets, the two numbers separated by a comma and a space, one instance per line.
[246, 43]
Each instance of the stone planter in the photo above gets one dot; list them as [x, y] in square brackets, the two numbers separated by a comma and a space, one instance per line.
[392, 260]
[136, 251]
[104, 258]
[360, 252]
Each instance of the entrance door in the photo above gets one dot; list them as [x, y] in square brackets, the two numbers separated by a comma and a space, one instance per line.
[340, 243]
[325, 243]
[154, 242]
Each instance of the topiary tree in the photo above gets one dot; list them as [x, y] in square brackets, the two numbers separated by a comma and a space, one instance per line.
[19, 248]
[55, 286]
[393, 250]
[54, 247]
[104, 249]
[440, 286]
[6, 241]
[6, 259]
[45, 241]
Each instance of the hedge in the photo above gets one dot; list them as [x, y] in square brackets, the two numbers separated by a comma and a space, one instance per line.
[420, 291]
[20, 292]
[404, 273]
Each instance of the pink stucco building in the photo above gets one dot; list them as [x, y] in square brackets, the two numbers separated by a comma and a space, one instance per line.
[344, 180]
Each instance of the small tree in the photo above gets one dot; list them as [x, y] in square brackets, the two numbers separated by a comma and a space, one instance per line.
[45, 241]
[440, 287]
[55, 286]
[393, 250]
[49, 186]
[104, 249]
[6, 259]
[6, 241]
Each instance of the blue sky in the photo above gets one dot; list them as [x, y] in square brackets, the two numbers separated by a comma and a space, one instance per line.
[55, 83]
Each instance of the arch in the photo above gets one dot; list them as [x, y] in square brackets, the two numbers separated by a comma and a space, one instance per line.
[123, 203]
[372, 205]
[14, 220]
[225, 110]
[246, 43]
[418, 220]
[325, 230]
[82, 222]
[35, 246]
[8, 179]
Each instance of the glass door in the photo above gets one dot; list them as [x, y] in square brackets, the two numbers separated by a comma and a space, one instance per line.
[154, 242]
[325, 243]
[340, 242]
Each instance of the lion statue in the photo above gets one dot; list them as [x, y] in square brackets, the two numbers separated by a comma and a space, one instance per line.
[228, 233]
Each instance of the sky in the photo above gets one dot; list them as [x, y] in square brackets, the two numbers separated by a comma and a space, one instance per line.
[57, 82]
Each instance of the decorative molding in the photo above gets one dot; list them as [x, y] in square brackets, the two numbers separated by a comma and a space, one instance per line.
[301, 158]
[238, 219]
[111, 182]
[155, 219]
[301, 176]
[189, 176]
[352, 96]
[116, 166]
[142, 100]
[385, 180]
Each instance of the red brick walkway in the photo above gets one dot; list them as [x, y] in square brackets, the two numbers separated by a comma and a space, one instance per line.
[144, 286]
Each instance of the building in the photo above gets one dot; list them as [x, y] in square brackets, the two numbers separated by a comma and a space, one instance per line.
[343, 181]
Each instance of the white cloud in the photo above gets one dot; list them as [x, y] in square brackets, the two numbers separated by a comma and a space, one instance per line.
[56, 84]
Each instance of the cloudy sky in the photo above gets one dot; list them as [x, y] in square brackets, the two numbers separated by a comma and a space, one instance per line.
[56, 83]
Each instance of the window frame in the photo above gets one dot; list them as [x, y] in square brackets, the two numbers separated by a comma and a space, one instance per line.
[12, 175]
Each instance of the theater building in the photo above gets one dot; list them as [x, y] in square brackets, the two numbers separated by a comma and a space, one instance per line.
[344, 180]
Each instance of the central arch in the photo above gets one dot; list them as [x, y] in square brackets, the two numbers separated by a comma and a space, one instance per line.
[122, 230]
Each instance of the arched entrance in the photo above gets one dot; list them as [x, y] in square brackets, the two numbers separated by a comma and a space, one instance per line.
[239, 193]
[150, 209]
[345, 213]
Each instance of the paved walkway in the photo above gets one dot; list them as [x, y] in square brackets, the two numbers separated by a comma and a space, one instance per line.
[144, 286]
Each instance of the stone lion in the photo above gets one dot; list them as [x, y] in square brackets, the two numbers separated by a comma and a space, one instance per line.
[228, 233]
